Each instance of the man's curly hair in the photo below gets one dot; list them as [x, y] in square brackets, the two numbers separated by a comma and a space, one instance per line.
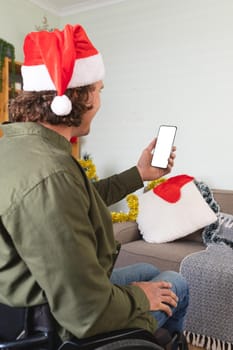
[35, 106]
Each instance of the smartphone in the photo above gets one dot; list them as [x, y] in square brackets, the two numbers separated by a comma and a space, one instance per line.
[163, 147]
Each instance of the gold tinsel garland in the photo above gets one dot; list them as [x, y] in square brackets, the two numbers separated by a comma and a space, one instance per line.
[132, 200]
[154, 183]
[89, 167]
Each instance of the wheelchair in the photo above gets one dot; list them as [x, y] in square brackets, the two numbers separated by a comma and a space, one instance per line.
[33, 328]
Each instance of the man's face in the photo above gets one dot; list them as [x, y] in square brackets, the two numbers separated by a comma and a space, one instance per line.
[95, 101]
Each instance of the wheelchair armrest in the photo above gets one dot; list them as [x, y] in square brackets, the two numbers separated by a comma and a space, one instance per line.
[37, 339]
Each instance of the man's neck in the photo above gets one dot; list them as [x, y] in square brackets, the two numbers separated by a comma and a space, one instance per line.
[63, 130]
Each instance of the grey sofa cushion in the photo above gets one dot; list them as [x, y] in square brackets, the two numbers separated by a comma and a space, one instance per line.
[165, 256]
[224, 198]
[125, 232]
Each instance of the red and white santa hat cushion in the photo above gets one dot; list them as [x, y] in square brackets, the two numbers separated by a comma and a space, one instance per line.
[172, 210]
[59, 60]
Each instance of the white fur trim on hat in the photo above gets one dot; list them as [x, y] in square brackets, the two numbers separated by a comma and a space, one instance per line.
[86, 71]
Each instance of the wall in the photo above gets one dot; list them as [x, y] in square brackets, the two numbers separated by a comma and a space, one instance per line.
[167, 62]
[17, 18]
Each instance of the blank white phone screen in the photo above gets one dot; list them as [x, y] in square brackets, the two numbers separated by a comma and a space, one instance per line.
[163, 146]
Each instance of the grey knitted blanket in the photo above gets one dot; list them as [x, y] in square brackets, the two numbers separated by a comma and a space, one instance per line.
[209, 318]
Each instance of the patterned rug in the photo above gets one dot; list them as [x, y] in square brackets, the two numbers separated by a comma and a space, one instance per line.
[205, 342]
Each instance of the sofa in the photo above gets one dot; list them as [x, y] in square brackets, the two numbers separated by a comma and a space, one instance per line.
[207, 269]
[165, 256]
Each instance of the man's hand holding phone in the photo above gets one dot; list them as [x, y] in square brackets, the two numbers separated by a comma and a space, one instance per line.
[149, 172]
[146, 165]
[163, 147]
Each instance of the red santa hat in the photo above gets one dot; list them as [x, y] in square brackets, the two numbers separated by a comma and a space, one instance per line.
[59, 60]
[170, 190]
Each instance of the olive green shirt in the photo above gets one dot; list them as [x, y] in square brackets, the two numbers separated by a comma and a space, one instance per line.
[56, 235]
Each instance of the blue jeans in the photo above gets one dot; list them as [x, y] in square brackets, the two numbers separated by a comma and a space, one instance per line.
[146, 272]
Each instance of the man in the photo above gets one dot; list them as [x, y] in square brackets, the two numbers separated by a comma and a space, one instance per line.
[56, 234]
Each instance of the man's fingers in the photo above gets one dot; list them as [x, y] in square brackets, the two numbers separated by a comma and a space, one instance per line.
[169, 300]
[163, 284]
[166, 309]
[169, 292]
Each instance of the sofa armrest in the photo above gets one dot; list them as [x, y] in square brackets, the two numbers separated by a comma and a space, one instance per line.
[125, 232]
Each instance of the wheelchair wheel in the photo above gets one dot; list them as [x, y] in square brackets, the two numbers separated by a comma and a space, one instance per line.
[130, 344]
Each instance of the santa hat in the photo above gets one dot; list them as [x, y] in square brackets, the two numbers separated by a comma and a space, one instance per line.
[59, 60]
[170, 190]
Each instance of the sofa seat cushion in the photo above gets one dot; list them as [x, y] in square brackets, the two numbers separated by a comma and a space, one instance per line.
[165, 256]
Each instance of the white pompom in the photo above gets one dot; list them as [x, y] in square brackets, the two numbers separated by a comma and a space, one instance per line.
[61, 105]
